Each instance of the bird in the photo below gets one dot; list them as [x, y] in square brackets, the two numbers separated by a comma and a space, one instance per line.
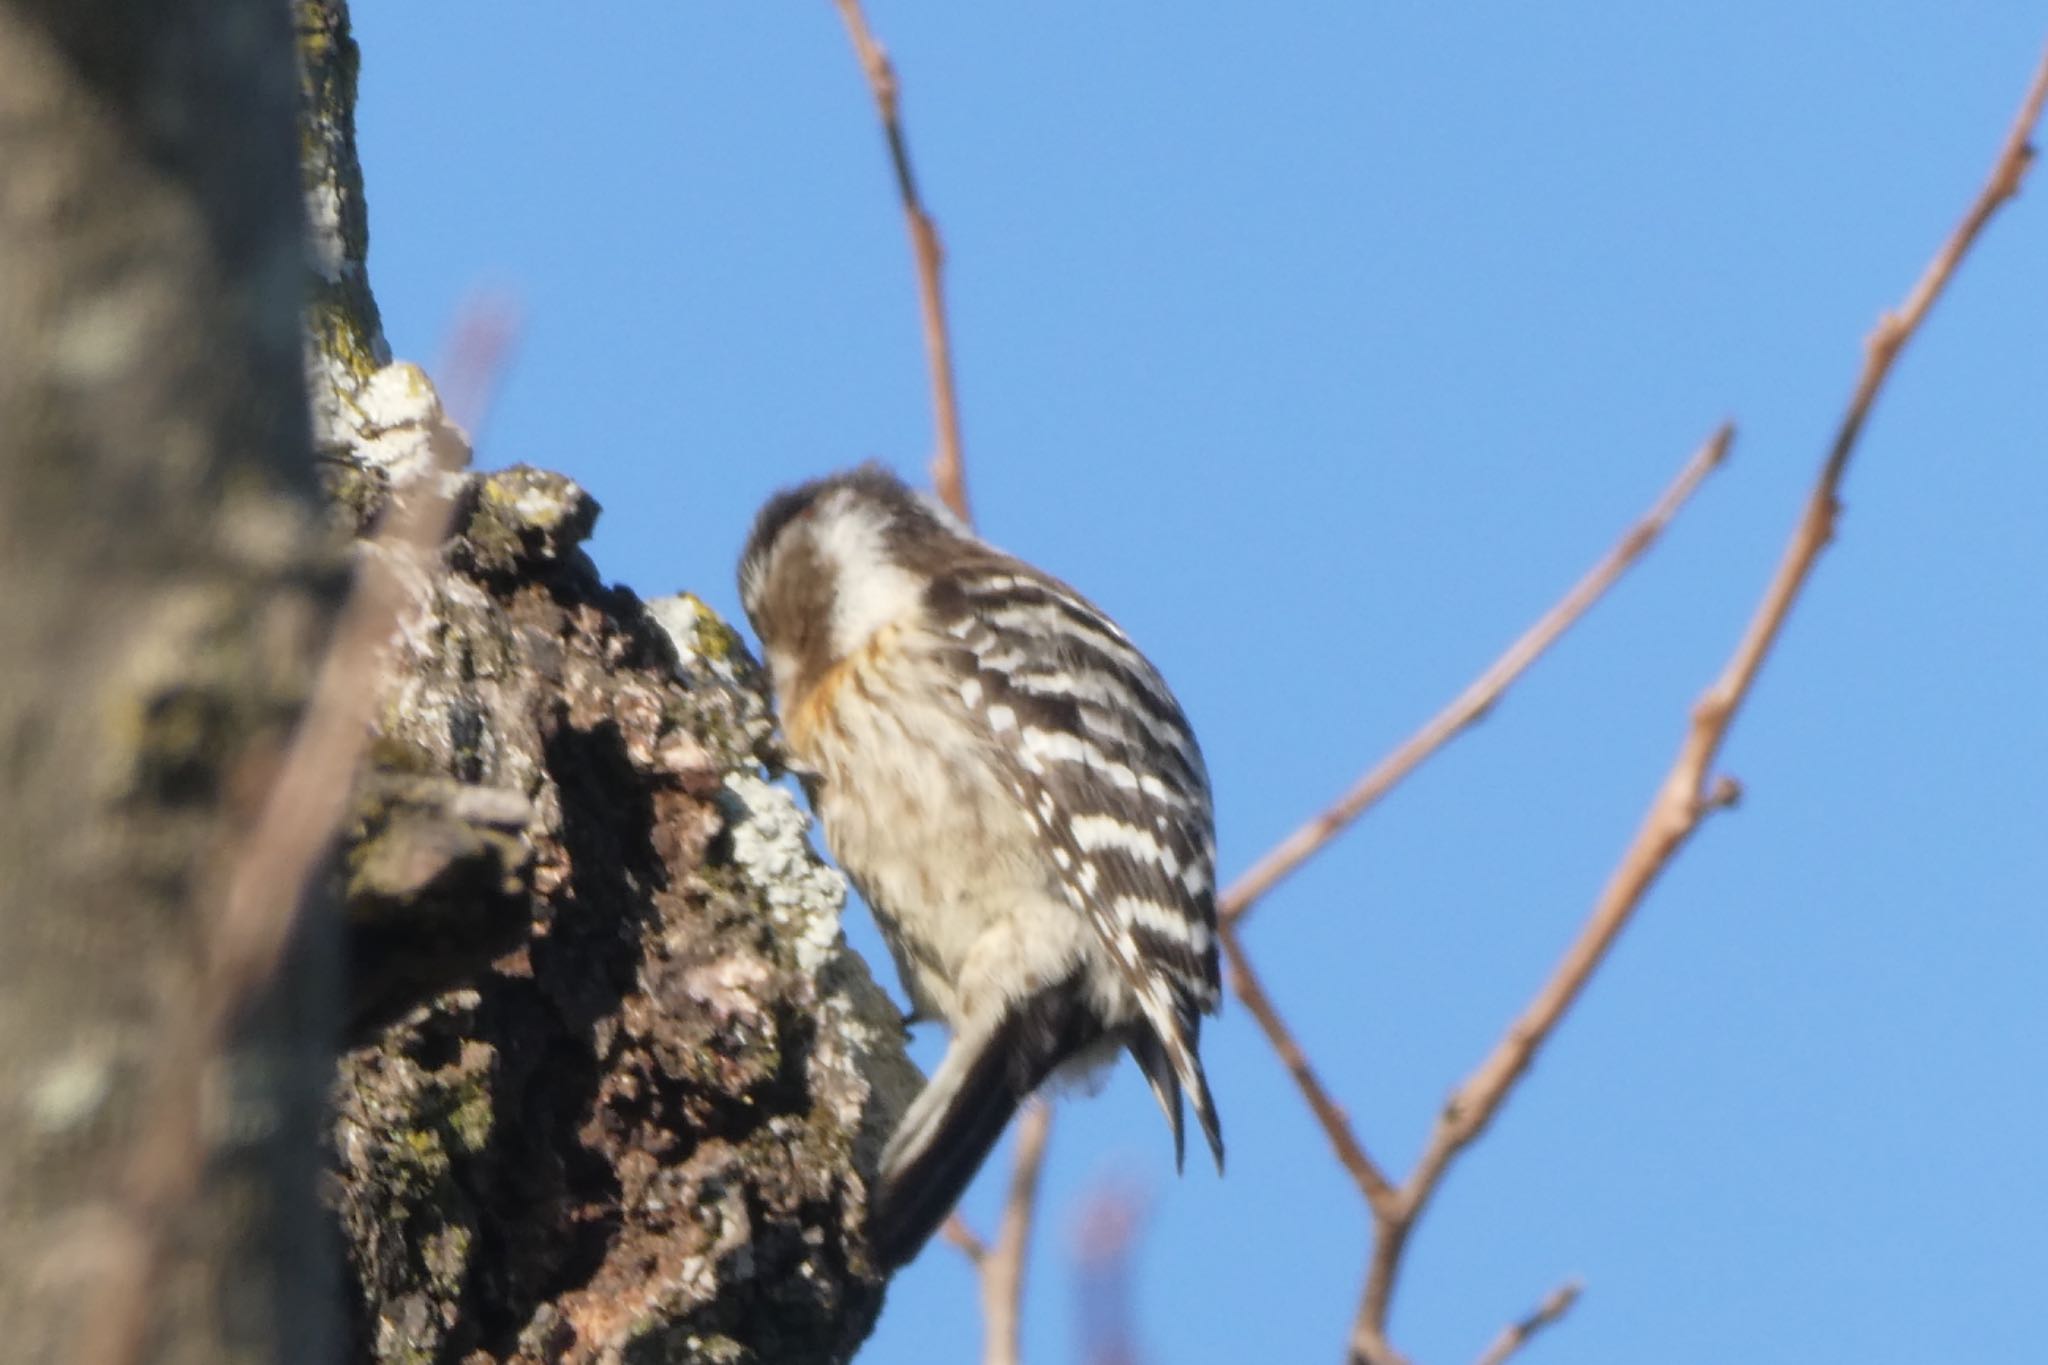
[1016, 794]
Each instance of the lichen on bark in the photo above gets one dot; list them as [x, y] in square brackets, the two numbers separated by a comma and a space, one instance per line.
[638, 1134]
[613, 1077]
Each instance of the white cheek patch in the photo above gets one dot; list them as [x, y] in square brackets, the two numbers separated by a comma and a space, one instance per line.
[870, 590]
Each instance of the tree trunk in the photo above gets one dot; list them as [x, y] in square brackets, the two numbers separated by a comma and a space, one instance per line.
[611, 1079]
[161, 601]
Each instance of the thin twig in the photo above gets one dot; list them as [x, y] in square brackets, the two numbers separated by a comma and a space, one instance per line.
[1480, 695]
[1688, 793]
[1516, 1335]
[956, 1230]
[1351, 1154]
[1469, 705]
[268, 876]
[949, 478]
[1002, 1266]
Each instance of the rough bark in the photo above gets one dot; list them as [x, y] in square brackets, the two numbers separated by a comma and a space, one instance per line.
[164, 593]
[613, 1075]
[635, 1136]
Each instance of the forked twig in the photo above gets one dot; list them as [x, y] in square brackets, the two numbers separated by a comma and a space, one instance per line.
[1689, 793]
[1002, 1268]
[1480, 695]
[1467, 708]
[949, 478]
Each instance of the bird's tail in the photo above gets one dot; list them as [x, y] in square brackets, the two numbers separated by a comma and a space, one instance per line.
[956, 1119]
[1171, 1064]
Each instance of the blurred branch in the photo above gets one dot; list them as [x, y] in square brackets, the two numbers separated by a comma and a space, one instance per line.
[1688, 793]
[949, 478]
[1104, 1243]
[956, 1230]
[1479, 697]
[1516, 1335]
[473, 365]
[267, 878]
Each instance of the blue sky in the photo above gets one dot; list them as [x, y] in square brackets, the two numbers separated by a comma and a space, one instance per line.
[1324, 345]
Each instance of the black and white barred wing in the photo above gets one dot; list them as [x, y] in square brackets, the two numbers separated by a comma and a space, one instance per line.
[1109, 771]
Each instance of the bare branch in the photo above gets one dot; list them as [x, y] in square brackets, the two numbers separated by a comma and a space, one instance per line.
[1351, 1154]
[1516, 1335]
[1002, 1267]
[1687, 794]
[1467, 708]
[1479, 697]
[949, 478]
[1389, 1204]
